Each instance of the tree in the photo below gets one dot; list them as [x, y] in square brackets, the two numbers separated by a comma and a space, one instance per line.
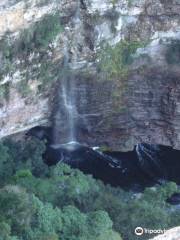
[6, 163]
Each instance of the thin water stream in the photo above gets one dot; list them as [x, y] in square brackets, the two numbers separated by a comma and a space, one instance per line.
[66, 113]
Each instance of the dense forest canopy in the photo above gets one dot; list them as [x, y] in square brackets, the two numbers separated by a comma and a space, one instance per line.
[60, 203]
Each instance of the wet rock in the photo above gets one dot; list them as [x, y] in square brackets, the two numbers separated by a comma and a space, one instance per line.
[115, 168]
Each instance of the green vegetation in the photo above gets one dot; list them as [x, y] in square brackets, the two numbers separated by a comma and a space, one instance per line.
[59, 203]
[173, 52]
[29, 209]
[40, 35]
[38, 39]
[32, 219]
[114, 1]
[4, 91]
[48, 73]
[115, 61]
[130, 2]
[41, 3]
[6, 56]
[23, 88]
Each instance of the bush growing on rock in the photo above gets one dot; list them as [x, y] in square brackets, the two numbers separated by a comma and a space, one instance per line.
[35, 41]
[40, 35]
[114, 61]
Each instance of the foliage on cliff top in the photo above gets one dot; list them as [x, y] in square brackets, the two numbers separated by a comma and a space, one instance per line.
[115, 61]
[37, 202]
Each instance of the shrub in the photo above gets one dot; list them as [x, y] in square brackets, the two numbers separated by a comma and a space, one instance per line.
[22, 156]
[23, 174]
[5, 230]
[15, 208]
[130, 2]
[4, 92]
[40, 35]
[5, 56]
[23, 88]
[114, 61]
[6, 163]
[48, 73]
[37, 38]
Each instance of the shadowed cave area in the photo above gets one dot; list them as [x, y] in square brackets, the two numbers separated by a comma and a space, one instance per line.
[145, 166]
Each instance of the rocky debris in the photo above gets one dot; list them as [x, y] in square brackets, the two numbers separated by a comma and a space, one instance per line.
[172, 234]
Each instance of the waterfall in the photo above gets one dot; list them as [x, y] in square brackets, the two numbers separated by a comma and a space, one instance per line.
[150, 160]
[66, 112]
[69, 105]
[67, 95]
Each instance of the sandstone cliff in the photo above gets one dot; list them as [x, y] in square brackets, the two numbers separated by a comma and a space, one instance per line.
[117, 111]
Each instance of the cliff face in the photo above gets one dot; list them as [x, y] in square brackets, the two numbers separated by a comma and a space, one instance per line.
[115, 111]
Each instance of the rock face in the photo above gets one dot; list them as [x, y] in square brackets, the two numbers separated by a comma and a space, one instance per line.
[173, 233]
[112, 112]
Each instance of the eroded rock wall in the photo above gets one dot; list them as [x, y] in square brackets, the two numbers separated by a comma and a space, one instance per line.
[113, 113]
